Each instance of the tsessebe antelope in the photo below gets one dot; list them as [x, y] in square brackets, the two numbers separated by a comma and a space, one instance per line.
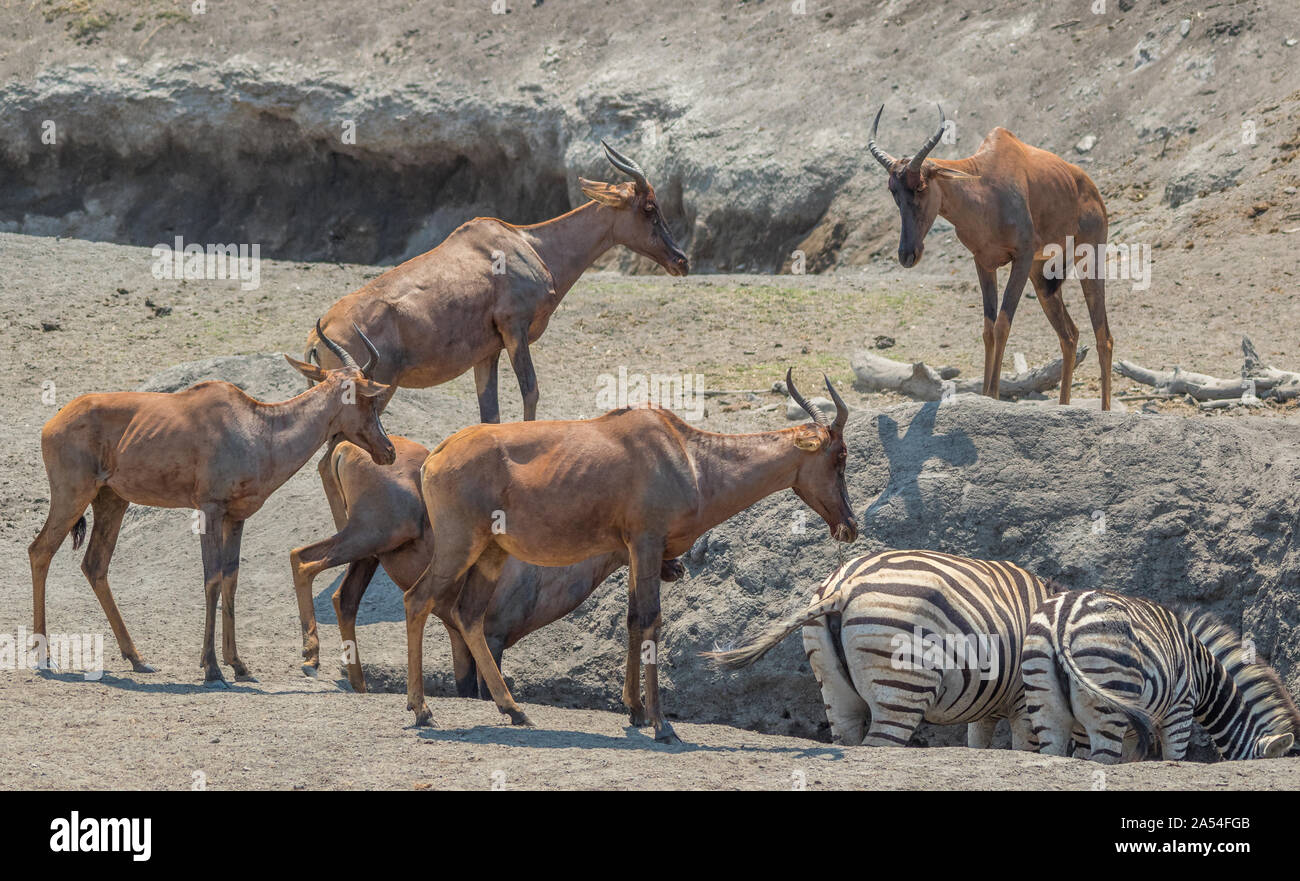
[1008, 203]
[1115, 663]
[641, 481]
[209, 447]
[912, 636]
[492, 285]
[386, 525]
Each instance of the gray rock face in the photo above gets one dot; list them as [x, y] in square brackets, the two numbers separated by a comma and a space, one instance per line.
[326, 150]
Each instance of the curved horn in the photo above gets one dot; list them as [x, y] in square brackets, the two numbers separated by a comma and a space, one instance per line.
[373, 360]
[337, 350]
[841, 409]
[625, 165]
[915, 164]
[818, 416]
[313, 356]
[881, 156]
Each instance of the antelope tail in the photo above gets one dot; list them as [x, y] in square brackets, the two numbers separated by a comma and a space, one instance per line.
[1143, 724]
[79, 532]
[771, 637]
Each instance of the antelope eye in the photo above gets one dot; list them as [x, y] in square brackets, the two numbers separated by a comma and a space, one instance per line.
[649, 207]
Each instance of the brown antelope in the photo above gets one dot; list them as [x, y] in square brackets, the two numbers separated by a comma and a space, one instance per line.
[492, 285]
[386, 525]
[209, 447]
[640, 481]
[1010, 203]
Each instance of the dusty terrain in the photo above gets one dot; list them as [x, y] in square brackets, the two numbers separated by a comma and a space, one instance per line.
[158, 730]
[157, 105]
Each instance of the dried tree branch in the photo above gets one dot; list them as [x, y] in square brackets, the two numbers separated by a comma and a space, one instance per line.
[1267, 382]
[921, 381]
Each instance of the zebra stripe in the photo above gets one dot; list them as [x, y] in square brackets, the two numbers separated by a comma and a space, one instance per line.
[1114, 664]
[908, 636]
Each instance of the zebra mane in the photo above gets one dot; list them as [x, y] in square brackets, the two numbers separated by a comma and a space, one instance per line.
[1259, 684]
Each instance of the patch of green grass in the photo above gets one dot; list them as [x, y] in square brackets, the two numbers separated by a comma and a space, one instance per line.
[85, 18]
[761, 374]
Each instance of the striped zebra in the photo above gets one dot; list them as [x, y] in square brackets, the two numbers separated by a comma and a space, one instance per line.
[912, 636]
[1115, 664]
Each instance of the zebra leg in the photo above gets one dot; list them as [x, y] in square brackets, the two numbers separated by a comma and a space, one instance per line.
[845, 708]
[1106, 728]
[895, 715]
[1022, 733]
[979, 735]
[899, 698]
[1082, 748]
[1175, 734]
[1046, 704]
[1022, 729]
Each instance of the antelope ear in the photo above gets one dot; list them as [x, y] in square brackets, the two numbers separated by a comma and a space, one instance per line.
[368, 388]
[808, 441]
[311, 371]
[933, 171]
[605, 194]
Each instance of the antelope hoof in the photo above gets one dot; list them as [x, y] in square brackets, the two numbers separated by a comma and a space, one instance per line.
[140, 666]
[423, 718]
[241, 670]
[638, 718]
[216, 682]
[519, 717]
[664, 734]
[310, 671]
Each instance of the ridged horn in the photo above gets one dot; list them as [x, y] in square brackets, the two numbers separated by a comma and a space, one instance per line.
[915, 164]
[881, 156]
[625, 165]
[812, 410]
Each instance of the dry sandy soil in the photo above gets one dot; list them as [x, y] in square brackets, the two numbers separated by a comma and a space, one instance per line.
[79, 315]
[131, 730]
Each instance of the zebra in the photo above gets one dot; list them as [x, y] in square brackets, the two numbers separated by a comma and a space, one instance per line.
[884, 634]
[1116, 664]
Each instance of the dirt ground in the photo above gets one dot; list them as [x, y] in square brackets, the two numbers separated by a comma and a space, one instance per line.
[158, 731]
[291, 734]
[80, 316]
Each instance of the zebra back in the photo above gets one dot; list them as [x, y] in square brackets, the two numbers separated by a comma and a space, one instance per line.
[1150, 660]
[911, 600]
[1123, 650]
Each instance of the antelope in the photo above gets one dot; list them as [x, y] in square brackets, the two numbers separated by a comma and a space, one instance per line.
[386, 526]
[490, 286]
[641, 481]
[209, 447]
[1009, 203]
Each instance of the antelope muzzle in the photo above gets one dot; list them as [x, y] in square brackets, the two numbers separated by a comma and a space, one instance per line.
[846, 532]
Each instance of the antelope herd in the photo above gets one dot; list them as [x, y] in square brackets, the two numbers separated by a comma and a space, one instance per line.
[504, 528]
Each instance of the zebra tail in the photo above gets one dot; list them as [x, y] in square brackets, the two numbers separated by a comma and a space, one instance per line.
[1143, 723]
[771, 637]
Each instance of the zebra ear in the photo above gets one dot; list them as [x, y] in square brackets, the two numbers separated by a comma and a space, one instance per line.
[1276, 745]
